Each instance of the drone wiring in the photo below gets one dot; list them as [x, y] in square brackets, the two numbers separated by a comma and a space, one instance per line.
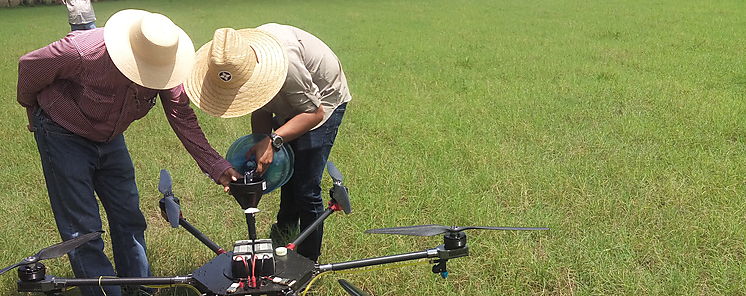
[190, 287]
[253, 270]
[308, 287]
[101, 286]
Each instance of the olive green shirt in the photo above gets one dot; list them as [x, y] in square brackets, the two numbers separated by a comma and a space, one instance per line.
[315, 77]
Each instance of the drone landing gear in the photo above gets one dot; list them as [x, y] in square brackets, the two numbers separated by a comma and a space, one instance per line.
[440, 268]
[451, 241]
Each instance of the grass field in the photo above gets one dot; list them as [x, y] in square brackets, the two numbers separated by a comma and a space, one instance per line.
[619, 124]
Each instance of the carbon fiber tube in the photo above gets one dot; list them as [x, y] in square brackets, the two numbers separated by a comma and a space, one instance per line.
[378, 260]
[122, 281]
[311, 228]
[201, 237]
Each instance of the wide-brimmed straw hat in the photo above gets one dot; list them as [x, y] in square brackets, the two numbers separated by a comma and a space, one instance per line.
[148, 48]
[236, 73]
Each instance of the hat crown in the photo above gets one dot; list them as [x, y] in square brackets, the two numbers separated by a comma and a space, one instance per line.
[232, 59]
[155, 39]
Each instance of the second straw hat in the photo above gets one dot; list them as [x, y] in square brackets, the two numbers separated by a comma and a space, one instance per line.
[237, 72]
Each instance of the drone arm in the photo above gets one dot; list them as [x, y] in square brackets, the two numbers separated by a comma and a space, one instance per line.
[439, 252]
[201, 237]
[142, 281]
[430, 253]
[53, 285]
[311, 228]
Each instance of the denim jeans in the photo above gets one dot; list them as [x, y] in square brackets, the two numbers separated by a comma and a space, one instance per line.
[74, 169]
[300, 198]
[86, 26]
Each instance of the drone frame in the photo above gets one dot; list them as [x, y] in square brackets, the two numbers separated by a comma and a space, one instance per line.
[295, 271]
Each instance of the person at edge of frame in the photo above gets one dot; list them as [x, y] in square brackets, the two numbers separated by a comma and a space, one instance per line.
[294, 87]
[80, 14]
[81, 93]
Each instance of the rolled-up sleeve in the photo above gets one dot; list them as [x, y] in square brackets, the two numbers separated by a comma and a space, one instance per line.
[40, 68]
[183, 121]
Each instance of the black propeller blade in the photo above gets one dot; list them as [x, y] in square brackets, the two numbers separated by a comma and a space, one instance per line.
[165, 184]
[334, 172]
[169, 204]
[339, 191]
[56, 250]
[433, 229]
[351, 289]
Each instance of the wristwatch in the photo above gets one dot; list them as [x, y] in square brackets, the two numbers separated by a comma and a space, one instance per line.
[276, 141]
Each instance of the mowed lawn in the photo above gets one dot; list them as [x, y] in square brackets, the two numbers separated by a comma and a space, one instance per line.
[619, 124]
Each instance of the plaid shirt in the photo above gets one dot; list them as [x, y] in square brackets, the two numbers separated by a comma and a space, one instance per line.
[77, 85]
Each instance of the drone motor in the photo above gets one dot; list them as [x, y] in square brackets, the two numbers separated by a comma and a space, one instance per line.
[32, 272]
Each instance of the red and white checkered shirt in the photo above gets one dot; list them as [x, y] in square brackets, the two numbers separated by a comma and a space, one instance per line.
[77, 85]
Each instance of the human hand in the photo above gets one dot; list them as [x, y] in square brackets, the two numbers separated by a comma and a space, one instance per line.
[264, 154]
[228, 175]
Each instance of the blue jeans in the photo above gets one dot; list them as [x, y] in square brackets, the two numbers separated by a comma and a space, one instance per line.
[74, 169]
[86, 26]
[300, 198]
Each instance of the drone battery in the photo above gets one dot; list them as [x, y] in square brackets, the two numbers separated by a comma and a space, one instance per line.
[240, 267]
[257, 252]
[244, 247]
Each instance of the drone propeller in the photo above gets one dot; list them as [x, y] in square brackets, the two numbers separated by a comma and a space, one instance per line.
[165, 183]
[339, 191]
[56, 250]
[351, 289]
[433, 229]
[169, 203]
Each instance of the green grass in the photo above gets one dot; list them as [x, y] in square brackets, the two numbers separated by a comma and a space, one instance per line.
[619, 124]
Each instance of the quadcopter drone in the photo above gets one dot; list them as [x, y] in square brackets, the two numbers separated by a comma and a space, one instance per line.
[253, 267]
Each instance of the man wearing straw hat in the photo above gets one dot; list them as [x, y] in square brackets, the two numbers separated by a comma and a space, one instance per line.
[290, 82]
[81, 93]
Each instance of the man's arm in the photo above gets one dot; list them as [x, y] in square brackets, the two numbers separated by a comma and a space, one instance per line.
[300, 91]
[40, 68]
[294, 128]
[183, 121]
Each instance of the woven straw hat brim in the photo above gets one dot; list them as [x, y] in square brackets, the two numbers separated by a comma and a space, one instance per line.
[266, 80]
[165, 76]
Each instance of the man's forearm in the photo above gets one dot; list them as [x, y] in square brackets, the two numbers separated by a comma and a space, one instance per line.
[184, 123]
[300, 124]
